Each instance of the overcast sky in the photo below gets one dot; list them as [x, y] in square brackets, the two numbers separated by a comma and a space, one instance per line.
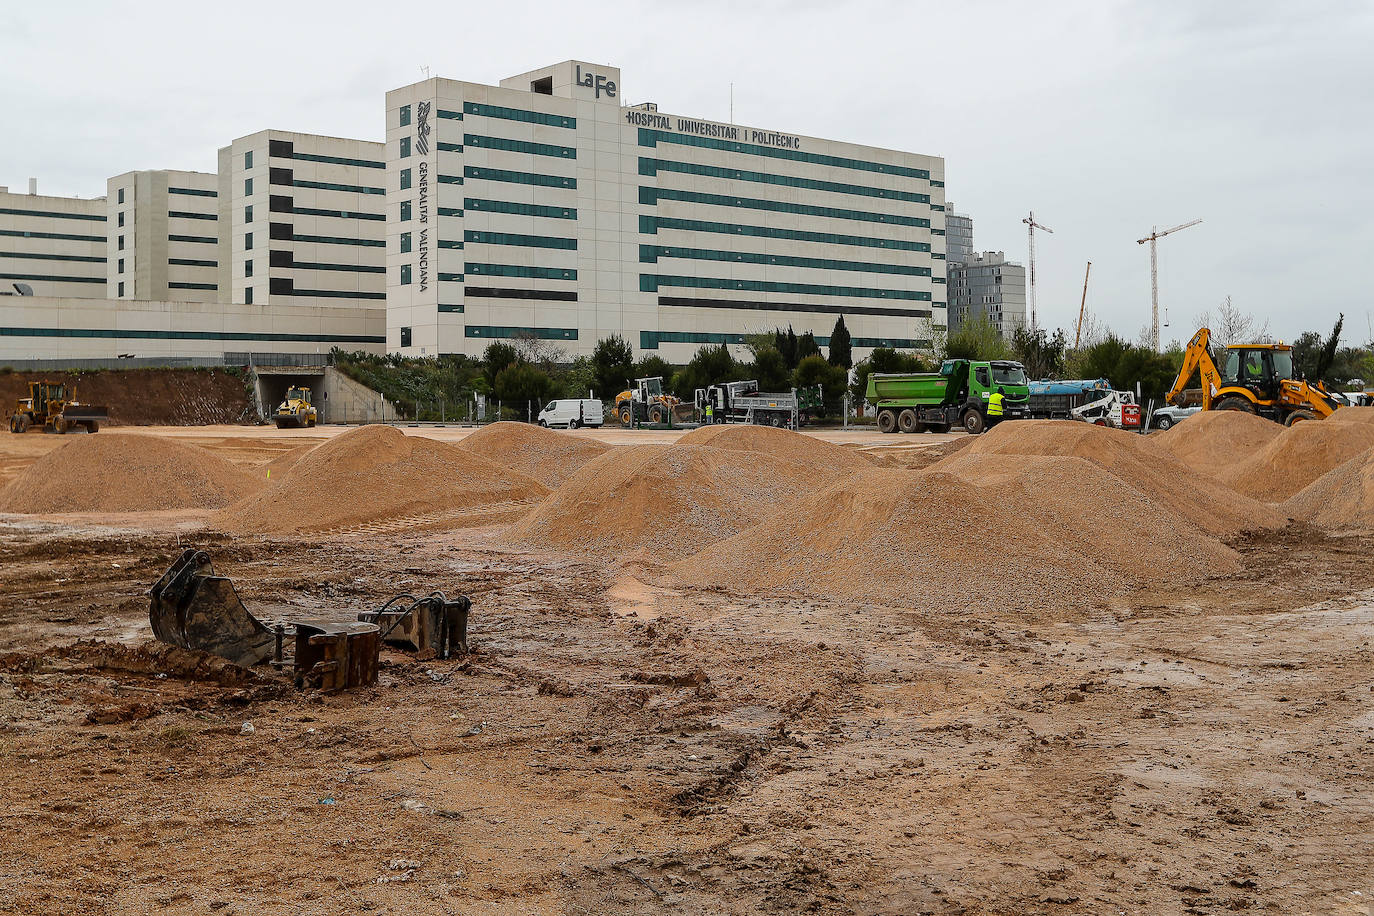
[1105, 118]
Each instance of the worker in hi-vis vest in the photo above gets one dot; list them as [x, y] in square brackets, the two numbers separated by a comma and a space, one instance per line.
[710, 414]
[995, 405]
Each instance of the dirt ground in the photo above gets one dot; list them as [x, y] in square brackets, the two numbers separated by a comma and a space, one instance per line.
[615, 747]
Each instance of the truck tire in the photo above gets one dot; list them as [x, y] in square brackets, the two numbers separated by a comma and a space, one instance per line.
[22, 423]
[93, 426]
[1235, 402]
[907, 422]
[59, 425]
[1165, 423]
[625, 415]
[1298, 416]
[887, 421]
[974, 422]
[656, 414]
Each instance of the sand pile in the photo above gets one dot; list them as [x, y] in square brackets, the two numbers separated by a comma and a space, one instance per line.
[1098, 515]
[110, 472]
[549, 457]
[783, 444]
[1341, 498]
[372, 473]
[1354, 415]
[670, 499]
[1296, 457]
[917, 539]
[1137, 463]
[1214, 440]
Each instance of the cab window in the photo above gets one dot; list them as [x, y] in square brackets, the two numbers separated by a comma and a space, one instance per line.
[1232, 371]
[981, 374]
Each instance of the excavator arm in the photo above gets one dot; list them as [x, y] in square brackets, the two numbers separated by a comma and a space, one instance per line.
[1196, 358]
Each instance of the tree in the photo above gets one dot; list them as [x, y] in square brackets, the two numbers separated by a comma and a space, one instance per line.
[1307, 350]
[815, 370]
[884, 359]
[522, 387]
[653, 365]
[580, 378]
[977, 339]
[1042, 355]
[1124, 365]
[785, 342]
[1232, 326]
[543, 353]
[841, 348]
[770, 370]
[497, 357]
[1328, 354]
[708, 366]
[807, 346]
[613, 361]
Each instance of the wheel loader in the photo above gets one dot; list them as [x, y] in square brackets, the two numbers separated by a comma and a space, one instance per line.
[295, 410]
[53, 406]
[1257, 378]
[646, 403]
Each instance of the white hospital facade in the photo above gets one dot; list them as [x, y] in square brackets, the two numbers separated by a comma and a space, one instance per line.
[543, 206]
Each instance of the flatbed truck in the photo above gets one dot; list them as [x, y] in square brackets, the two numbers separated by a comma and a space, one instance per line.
[957, 395]
[742, 402]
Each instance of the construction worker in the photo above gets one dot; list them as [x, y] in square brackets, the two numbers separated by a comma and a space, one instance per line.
[710, 414]
[995, 405]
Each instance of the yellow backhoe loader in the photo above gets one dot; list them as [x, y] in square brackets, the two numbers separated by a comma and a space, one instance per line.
[1253, 377]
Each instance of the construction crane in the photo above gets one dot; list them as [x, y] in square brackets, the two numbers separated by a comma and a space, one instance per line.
[1082, 306]
[1031, 226]
[1153, 237]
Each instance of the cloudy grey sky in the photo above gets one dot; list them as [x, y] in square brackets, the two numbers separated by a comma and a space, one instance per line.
[1104, 117]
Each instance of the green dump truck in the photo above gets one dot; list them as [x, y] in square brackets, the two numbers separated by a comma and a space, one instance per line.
[957, 395]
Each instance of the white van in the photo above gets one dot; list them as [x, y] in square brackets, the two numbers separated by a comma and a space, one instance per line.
[572, 413]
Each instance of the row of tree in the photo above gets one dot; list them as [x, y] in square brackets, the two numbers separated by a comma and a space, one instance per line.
[526, 371]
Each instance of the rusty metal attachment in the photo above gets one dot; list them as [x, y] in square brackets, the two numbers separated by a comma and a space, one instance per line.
[195, 609]
[336, 656]
[433, 622]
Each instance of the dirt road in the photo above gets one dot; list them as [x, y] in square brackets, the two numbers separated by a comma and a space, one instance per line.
[613, 745]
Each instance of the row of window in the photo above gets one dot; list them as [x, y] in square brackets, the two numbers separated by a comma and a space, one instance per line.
[338, 160]
[450, 179]
[139, 334]
[349, 268]
[450, 211]
[649, 340]
[530, 178]
[649, 225]
[522, 241]
[52, 214]
[331, 240]
[479, 330]
[823, 308]
[196, 239]
[513, 270]
[505, 206]
[91, 259]
[184, 262]
[181, 214]
[649, 283]
[651, 138]
[651, 196]
[651, 168]
[520, 146]
[328, 186]
[52, 278]
[519, 114]
[192, 286]
[340, 214]
[649, 254]
[450, 147]
[61, 236]
[551, 295]
[189, 192]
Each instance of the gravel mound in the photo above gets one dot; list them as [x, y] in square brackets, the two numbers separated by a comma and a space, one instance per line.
[670, 499]
[1341, 498]
[1353, 415]
[372, 473]
[918, 539]
[1137, 463]
[549, 457]
[780, 443]
[109, 472]
[1297, 456]
[1214, 440]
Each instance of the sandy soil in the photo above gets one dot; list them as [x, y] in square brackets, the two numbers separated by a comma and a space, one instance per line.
[617, 747]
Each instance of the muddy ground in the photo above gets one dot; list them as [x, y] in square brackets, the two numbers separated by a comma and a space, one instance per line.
[615, 747]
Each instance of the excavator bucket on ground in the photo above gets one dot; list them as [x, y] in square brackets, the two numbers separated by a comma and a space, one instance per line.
[195, 609]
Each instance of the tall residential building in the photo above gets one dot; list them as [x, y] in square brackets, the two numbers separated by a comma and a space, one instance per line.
[987, 285]
[302, 221]
[163, 237]
[54, 245]
[958, 235]
[545, 206]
